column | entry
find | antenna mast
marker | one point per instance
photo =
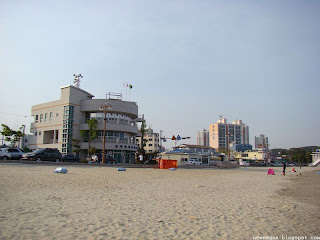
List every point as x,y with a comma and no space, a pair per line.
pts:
77,80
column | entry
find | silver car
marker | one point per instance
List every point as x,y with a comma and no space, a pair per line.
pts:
4,155
15,153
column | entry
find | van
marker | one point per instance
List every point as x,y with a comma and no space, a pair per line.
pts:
194,161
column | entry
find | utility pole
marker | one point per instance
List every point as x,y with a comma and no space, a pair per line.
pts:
104,107
24,129
160,141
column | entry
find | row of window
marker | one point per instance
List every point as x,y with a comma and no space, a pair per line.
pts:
151,139
156,145
44,117
36,133
67,129
114,116
125,146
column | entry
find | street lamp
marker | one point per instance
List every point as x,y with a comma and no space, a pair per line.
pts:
104,107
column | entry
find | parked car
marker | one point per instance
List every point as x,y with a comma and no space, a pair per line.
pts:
4,155
194,162
244,163
69,158
15,153
98,158
44,154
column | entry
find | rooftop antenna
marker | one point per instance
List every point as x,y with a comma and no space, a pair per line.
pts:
77,80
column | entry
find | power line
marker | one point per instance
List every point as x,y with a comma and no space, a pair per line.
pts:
15,114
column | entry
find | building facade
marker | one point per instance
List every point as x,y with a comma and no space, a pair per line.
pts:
204,151
255,155
315,158
57,123
181,155
240,147
203,138
197,148
221,134
152,143
261,142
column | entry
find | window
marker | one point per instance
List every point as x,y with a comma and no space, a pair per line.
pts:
36,134
50,116
150,145
46,117
13,150
37,118
39,133
41,117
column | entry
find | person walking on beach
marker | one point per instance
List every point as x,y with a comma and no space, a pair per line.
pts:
284,168
141,158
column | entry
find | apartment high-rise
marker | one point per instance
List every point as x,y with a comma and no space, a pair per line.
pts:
261,142
203,138
221,134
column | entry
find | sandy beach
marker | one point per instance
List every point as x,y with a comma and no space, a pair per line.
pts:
102,203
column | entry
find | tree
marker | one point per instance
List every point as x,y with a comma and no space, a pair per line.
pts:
12,136
152,155
143,140
76,146
91,134
299,155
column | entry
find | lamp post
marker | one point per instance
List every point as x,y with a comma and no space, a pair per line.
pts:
104,107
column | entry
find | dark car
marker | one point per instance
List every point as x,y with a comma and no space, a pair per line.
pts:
69,158
98,158
15,153
43,154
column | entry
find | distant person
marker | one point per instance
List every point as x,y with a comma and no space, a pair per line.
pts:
284,168
95,158
141,158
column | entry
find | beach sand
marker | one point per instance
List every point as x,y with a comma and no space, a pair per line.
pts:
103,203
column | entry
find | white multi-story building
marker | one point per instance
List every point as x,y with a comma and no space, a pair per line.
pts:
315,158
261,142
153,141
221,134
56,123
203,138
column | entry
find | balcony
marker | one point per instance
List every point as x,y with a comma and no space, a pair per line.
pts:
112,127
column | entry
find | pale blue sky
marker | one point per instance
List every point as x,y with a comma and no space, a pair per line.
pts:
188,61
